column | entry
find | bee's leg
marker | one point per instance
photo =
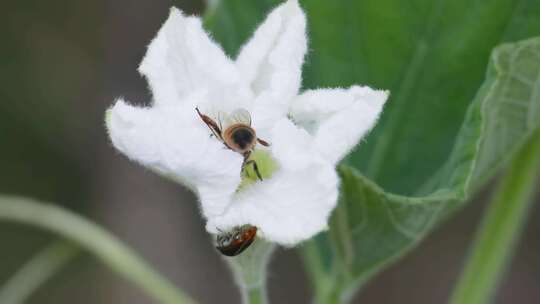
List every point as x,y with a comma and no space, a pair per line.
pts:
255,168
247,162
263,142
246,155
216,130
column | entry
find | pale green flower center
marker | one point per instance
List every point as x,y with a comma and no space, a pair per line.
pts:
266,164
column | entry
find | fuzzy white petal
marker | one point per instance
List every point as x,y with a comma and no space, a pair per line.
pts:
292,147
182,59
272,61
338,118
174,142
289,208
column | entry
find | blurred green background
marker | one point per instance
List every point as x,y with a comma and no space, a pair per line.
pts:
62,63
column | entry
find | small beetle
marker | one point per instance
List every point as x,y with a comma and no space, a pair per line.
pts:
236,241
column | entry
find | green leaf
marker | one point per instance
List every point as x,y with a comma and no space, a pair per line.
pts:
501,228
446,129
372,227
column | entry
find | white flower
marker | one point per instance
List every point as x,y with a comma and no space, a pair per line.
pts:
309,132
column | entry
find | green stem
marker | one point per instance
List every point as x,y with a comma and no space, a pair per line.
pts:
249,270
95,239
501,228
37,271
256,295
323,281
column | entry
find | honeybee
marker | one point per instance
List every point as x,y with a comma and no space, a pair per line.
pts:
236,133
234,242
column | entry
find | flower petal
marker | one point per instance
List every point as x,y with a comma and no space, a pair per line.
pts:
272,61
289,208
183,59
175,142
338,118
292,146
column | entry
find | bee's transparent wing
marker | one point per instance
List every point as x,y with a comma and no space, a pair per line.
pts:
238,116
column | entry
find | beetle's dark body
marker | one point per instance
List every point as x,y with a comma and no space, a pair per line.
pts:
235,242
